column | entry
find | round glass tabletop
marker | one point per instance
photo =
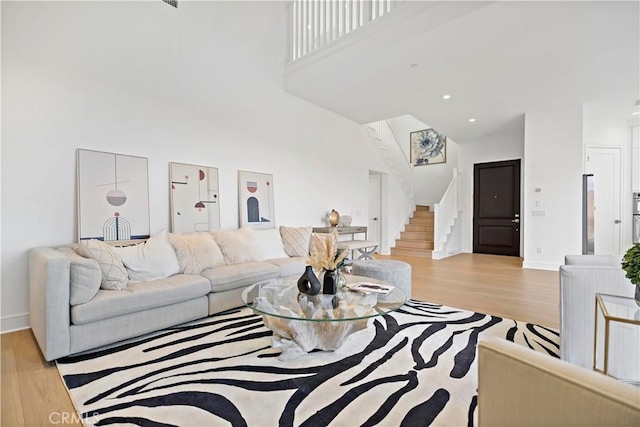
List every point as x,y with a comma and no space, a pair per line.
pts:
280,298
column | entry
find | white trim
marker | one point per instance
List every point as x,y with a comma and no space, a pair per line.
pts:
445,254
15,322
541,265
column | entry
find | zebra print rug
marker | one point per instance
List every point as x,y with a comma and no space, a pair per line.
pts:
416,366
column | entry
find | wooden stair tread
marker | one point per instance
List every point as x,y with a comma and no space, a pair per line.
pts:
417,239
418,253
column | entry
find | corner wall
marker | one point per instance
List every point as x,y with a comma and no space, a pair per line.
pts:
553,146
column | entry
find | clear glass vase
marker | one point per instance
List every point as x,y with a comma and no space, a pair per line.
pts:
341,280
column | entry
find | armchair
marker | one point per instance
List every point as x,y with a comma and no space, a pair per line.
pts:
521,387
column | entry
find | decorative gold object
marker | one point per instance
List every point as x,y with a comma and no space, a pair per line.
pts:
334,217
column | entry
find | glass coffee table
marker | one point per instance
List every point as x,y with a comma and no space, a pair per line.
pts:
301,323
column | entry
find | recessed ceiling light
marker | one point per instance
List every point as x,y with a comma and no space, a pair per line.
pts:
636,113
446,96
471,120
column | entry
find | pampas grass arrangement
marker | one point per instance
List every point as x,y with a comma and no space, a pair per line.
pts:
323,253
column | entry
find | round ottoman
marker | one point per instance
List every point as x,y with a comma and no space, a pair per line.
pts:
397,273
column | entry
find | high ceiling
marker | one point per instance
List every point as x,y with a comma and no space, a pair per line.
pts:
497,60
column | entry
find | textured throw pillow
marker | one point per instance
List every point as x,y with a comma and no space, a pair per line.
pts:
114,275
238,246
196,252
296,240
85,277
152,260
269,244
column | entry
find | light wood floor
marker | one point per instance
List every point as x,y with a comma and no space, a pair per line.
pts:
32,393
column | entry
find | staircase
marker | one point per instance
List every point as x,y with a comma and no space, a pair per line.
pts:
417,238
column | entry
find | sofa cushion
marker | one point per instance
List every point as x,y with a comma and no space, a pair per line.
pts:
237,275
269,244
196,252
151,260
114,274
296,240
139,296
289,266
238,246
85,277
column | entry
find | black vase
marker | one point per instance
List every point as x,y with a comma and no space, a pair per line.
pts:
308,283
330,282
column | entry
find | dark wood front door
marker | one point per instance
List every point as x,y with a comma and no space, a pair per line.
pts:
496,208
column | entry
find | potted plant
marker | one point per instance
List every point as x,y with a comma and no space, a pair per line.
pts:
631,266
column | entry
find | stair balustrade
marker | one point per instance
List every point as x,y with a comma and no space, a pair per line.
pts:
445,214
315,23
393,154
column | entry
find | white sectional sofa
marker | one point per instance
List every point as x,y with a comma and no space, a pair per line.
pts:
110,294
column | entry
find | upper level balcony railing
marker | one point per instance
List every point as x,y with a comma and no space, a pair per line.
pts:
315,23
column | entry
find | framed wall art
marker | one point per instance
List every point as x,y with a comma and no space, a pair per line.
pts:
428,147
255,197
195,201
113,196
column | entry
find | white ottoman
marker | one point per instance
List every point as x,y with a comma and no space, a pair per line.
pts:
397,273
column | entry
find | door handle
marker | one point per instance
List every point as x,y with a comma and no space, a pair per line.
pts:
617,221
517,220
375,219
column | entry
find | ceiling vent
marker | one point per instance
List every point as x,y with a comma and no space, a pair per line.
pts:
173,3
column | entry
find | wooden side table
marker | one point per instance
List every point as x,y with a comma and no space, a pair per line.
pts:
353,230
615,308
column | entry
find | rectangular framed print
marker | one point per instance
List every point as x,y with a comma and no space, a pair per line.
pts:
428,147
255,198
195,201
113,196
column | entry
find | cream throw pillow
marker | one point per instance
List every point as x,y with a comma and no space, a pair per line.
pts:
196,252
269,244
296,240
114,275
152,260
85,277
238,246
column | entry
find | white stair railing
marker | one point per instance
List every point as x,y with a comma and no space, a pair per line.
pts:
445,214
315,23
396,159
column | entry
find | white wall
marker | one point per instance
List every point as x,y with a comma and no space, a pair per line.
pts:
553,164
430,181
201,84
505,144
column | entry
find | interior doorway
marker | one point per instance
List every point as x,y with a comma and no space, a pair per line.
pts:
374,229
496,208
604,163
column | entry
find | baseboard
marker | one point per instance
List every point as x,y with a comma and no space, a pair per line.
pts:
14,323
541,265
445,254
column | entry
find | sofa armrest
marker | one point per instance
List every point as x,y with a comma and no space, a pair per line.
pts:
49,301
578,287
520,387
591,260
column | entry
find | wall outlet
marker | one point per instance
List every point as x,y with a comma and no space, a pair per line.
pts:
538,212
539,251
